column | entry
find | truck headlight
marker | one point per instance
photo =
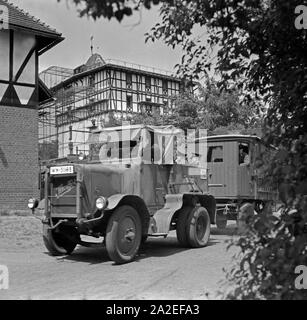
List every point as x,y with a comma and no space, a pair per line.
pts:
32,203
101,203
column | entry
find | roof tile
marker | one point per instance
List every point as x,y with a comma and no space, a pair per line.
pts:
20,18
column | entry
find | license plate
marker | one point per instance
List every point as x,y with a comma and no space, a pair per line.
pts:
62,170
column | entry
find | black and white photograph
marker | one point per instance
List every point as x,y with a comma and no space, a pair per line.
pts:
153,153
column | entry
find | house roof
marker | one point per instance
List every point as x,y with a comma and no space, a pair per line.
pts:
44,94
112,66
21,20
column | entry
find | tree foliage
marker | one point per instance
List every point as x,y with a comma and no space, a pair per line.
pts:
211,108
253,46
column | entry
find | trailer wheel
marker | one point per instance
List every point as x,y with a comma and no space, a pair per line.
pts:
181,227
198,227
57,243
124,234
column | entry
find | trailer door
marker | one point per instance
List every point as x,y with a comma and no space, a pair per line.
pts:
216,166
245,183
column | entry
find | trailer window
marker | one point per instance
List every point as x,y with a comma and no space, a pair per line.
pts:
215,154
244,157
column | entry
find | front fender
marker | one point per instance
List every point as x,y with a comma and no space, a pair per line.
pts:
114,200
136,202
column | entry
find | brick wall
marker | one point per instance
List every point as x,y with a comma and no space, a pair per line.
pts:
18,156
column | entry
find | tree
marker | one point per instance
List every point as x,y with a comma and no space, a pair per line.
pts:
259,51
211,108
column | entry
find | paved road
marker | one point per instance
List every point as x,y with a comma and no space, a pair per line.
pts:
162,270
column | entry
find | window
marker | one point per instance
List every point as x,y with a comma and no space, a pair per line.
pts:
165,107
244,154
129,103
215,154
129,80
164,87
91,80
147,83
147,109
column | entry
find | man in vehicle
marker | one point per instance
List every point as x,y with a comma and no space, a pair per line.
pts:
243,155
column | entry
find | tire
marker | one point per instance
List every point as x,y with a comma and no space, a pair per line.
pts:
56,242
198,227
181,229
221,221
123,235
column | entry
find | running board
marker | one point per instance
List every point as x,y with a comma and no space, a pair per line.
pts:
158,235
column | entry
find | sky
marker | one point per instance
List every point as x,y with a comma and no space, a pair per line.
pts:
113,40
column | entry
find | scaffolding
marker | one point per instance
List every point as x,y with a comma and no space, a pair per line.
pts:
55,75
88,101
61,121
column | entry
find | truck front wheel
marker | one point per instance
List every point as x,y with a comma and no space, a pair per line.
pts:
124,234
59,243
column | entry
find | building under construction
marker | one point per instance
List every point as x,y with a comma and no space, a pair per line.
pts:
98,94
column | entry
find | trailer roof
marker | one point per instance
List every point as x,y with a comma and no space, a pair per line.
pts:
230,137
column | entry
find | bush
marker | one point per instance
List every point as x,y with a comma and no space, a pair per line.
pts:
271,248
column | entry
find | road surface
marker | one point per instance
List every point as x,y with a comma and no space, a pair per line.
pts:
162,270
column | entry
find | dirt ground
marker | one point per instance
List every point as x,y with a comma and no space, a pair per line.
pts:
162,270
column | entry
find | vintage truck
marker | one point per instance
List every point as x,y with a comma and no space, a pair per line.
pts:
129,187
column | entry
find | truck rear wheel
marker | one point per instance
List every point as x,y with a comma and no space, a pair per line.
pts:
124,234
181,227
57,243
198,227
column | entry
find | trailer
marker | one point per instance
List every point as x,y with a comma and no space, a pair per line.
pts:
234,178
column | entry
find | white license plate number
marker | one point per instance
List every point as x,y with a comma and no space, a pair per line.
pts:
62,170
